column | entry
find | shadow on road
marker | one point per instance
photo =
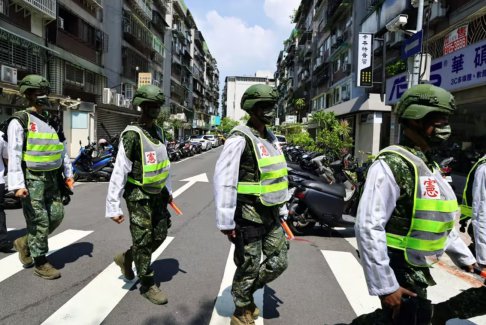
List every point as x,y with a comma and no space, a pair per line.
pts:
165,269
271,303
71,254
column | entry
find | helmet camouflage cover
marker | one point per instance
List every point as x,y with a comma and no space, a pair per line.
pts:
33,81
258,93
148,93
423,99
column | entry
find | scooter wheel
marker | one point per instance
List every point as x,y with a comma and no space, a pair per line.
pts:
300,228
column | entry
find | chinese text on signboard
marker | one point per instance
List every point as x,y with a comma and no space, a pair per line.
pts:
365,59
455,40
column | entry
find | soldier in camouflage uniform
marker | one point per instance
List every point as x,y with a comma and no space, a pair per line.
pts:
141,173
37,156
406,213
250,185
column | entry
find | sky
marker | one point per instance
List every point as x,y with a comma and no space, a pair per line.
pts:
244,36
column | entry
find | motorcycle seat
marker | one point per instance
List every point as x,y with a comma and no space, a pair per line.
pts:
333,189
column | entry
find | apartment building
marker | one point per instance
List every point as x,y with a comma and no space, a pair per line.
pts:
234,87
95,54
318,65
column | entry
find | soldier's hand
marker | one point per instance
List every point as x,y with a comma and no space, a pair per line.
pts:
394,299
170,198
469,268
230,233
118,219
22,193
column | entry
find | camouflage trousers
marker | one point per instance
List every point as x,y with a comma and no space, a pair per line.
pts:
148,226
43,210
250,275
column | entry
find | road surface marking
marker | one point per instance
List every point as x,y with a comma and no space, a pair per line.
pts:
96,300
11,264
350,276
224,306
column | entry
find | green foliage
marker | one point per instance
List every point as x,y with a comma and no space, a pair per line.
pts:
245,118
301,139
333,135
227,124
393,69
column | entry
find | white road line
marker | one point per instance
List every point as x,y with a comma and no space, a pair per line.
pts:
350,276
224,306
11,264
198,155
96,300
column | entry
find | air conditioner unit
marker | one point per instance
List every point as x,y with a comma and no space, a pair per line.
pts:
9,74
126,103
107,96
437,11
119,100
60,22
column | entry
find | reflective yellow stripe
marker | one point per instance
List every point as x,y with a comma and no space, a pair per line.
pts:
466,211
258,189
402,242
154,167
133,181
436,205
44,147
431,225
264,162
40,159
156,178
274,174
39,135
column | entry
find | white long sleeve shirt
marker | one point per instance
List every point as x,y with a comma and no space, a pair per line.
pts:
479,213
15,134
376,206
123,166
225,182
3,155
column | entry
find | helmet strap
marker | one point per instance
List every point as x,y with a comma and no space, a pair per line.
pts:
416,136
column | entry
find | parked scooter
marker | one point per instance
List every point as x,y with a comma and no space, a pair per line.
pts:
91,166
317,202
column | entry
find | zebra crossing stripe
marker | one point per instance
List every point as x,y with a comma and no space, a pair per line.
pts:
11,264
224,306
350,276
96,300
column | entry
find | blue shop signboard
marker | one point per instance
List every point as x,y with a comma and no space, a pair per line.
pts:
465,68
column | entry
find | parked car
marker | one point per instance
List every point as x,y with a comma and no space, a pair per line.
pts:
206,144
281,140
213,138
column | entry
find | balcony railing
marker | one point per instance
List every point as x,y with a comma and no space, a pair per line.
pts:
143,8
46,8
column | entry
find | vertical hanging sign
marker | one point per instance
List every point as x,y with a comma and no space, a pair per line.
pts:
365,60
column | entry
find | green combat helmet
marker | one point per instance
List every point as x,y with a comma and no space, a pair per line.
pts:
258,93
423,99
34,81
148,93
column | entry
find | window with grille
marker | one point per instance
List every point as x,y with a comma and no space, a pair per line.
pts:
21,54
74,75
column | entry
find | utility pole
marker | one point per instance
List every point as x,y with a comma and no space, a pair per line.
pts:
415,61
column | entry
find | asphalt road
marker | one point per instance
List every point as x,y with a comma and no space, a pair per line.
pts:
322,285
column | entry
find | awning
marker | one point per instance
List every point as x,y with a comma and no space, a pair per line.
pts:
364,103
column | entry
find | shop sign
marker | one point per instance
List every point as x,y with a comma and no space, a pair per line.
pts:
455,40
291,118
465,68
144,78
365,59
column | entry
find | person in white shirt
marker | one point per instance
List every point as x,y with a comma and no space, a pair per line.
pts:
37,161
250,189
141,174
406,214
5,244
